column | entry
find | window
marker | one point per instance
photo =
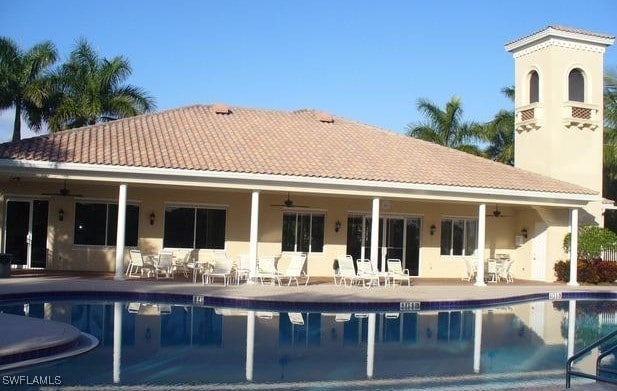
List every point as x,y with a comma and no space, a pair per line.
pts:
97,223
303,232
191,227
459,236
534,87
576,86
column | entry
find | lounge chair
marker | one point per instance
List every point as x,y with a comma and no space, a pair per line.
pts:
397,273
180,263
366,274
137,264
505,271
296,318
164,265
221,269
242,269
470,271
266,270
347,272
294,270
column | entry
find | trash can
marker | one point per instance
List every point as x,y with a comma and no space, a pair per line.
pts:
5,265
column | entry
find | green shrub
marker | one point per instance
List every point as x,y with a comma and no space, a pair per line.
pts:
591,241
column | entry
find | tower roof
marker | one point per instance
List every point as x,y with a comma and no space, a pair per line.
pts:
560,32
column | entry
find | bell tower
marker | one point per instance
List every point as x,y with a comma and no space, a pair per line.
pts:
558,73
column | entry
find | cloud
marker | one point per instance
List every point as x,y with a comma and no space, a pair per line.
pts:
7,118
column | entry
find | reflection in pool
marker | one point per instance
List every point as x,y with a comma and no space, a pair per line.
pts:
143,343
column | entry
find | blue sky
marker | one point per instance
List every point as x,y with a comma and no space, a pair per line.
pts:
368,61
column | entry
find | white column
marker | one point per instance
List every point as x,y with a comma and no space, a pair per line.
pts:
250,344
370,348
117,355
477,341
481,245
571,327
375,233
254,234
573,246
120,233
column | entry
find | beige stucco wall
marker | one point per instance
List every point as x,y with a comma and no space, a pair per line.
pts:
572,154
500,232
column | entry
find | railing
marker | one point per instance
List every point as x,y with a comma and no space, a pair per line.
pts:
598,376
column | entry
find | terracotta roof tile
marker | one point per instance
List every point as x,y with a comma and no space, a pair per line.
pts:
275,142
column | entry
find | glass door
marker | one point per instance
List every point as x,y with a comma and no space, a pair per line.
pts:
26,232
399,237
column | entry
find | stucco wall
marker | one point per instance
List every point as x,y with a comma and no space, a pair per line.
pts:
500,237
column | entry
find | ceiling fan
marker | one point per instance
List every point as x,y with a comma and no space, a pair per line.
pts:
288,203
64,192
497,213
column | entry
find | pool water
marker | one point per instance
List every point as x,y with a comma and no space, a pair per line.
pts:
219,348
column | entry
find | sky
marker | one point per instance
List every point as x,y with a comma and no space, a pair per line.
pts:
369,61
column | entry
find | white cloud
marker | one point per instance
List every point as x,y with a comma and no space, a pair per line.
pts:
7,118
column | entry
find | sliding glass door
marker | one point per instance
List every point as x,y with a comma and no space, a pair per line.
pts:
26,232
399,237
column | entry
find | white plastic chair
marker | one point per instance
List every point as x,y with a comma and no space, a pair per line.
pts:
396,271
294,270
242,269
506,272
266,270
366,274
347,272
470,271
164,264
221,269
137,264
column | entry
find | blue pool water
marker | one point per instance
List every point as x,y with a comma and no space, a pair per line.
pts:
221,348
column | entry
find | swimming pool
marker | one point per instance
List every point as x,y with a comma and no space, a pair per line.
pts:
173,344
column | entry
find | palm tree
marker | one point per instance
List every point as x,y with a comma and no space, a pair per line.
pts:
23,83
499,133
446,127
90,89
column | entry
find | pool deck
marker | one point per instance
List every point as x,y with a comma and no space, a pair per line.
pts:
320,290
47,285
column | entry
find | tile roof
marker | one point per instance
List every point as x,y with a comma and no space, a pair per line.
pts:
564,29
298,143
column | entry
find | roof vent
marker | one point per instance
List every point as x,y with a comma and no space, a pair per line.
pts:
324,117
221,108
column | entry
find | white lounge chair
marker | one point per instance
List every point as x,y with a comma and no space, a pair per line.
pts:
137,264
242,269
296,318
505,271
470,271
397,273
266,270
180,263
347,272
221,269
294,270
164,264
366,274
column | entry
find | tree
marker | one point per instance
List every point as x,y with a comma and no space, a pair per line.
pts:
89,89
499,133
446,127
23,83
610,144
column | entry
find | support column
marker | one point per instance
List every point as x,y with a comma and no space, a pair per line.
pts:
573,246
120,232
375,233
481,245
254,234
117,353
250,344
571,327
477,341
370,348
